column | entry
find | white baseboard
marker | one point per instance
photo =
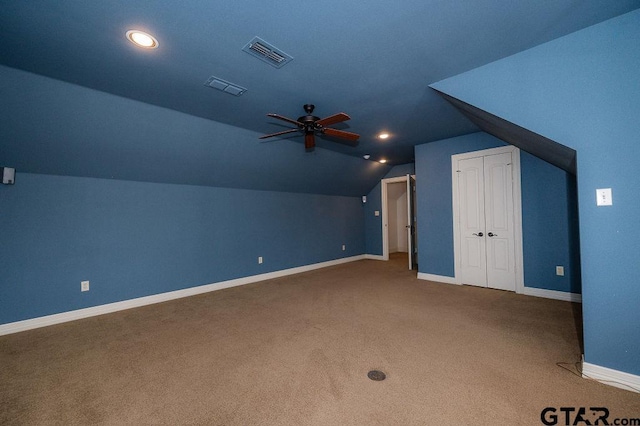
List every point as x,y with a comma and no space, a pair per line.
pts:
15,327
529,291
611,377
374,257
553,294
437,278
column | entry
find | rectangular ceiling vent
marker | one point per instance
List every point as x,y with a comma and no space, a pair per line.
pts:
225,86
267,53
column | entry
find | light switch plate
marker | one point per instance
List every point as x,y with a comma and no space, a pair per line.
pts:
603,197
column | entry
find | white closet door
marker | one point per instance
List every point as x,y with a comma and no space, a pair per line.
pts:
485,222
473,261
500,235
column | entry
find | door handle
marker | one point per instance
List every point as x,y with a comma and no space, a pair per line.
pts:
479,234
491,234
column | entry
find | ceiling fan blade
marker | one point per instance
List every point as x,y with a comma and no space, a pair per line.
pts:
333,119
288,120
309,140
279,133
340,134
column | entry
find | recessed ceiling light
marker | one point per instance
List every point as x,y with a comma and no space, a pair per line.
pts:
382,161
383,135
142,39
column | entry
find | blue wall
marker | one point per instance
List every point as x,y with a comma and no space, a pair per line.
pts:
549,226
373,223
548,210
583,91
133,239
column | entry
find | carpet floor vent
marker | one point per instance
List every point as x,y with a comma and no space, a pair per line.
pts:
267,53
376,375
225,86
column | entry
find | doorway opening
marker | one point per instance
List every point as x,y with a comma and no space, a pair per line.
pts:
399,219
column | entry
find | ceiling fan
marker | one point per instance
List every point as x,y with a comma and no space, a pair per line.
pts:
311,125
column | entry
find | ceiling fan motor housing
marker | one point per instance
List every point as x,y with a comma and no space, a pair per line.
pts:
310,125
309,120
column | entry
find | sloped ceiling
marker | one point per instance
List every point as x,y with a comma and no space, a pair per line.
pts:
551,151
374,62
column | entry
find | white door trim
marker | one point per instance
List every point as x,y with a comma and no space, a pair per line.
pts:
517,208
385,212
410,220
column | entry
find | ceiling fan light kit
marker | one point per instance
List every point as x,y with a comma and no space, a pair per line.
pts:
312,125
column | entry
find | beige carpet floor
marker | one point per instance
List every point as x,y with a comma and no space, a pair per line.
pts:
296,351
